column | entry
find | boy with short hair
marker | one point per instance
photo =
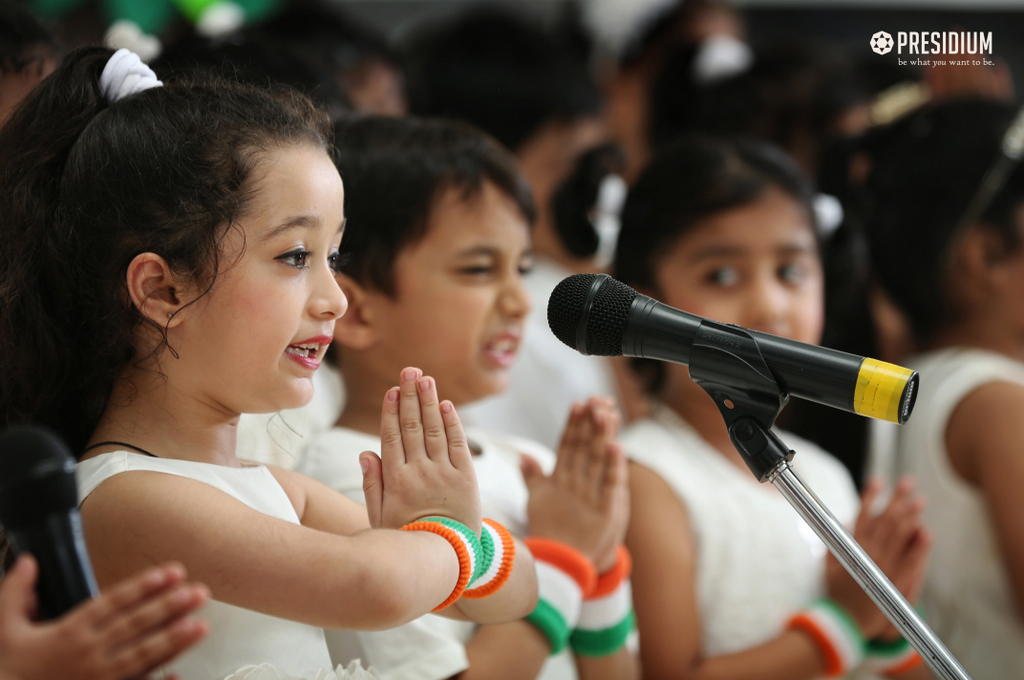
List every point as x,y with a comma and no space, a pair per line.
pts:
437,240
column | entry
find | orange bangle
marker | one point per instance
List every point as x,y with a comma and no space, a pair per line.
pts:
508,555
567,559
613,578
465,563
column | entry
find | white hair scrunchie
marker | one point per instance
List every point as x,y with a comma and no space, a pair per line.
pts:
125,74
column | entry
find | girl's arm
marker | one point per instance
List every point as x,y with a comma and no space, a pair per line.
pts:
374,579
983,440
664,586
665,599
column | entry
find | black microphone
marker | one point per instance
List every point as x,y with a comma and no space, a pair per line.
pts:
39,511
595,314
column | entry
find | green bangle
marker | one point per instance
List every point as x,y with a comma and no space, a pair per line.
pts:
550,623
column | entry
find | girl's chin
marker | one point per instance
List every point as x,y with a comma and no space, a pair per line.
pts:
297,394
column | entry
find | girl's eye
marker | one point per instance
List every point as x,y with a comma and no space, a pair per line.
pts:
792,273
724,276
480,270
338,261
296,258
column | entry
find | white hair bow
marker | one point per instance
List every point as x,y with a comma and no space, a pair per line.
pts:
126,74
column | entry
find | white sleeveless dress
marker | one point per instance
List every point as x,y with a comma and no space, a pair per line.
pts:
238,637
757,561
967,599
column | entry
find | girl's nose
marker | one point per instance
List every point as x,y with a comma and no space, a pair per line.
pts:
329,300
768,308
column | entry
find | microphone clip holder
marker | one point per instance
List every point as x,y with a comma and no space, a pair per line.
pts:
726,362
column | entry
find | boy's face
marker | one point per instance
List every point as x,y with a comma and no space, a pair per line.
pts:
459,306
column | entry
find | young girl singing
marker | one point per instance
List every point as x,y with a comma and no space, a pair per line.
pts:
729,581
169,264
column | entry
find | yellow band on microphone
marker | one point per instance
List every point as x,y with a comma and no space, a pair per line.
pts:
880,388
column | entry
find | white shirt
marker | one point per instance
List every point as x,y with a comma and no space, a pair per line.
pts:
757,561
967,600
431,647
238,637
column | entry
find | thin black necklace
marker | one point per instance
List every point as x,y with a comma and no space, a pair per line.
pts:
130,446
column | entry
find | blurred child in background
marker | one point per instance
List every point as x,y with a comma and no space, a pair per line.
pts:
436,247
28,53
496,70
950,256
731,583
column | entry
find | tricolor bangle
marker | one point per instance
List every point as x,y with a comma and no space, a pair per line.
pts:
892,658
606,617
564,577
837,636
467,548
499,554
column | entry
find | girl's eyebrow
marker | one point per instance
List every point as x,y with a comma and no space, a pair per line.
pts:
718,251
737,251
479,250
293,222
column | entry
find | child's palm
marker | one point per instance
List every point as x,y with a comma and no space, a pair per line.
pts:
897,543
426,468
584,503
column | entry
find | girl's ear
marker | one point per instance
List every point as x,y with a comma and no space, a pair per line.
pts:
154,289
981,252
356,329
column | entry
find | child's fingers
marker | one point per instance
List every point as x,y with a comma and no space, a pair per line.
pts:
531,469
157,649
409,415
130,592
595,461
906,529
17,589
392,451
616,469
569,446
887,523
868,498
373,487
154,613
458,445
435,441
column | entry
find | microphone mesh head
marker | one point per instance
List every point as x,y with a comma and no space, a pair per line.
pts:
565,306
608,316
608,313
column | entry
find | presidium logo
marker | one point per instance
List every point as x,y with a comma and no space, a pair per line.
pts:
881,43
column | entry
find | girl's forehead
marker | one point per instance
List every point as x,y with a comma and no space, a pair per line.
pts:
772,221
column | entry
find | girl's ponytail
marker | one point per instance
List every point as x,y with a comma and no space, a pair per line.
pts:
35,144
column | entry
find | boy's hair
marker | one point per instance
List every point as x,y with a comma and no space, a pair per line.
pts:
85,186
23,40
926,169
689,181
395,170
493,69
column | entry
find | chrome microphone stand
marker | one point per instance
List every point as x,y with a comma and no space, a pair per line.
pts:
726,362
